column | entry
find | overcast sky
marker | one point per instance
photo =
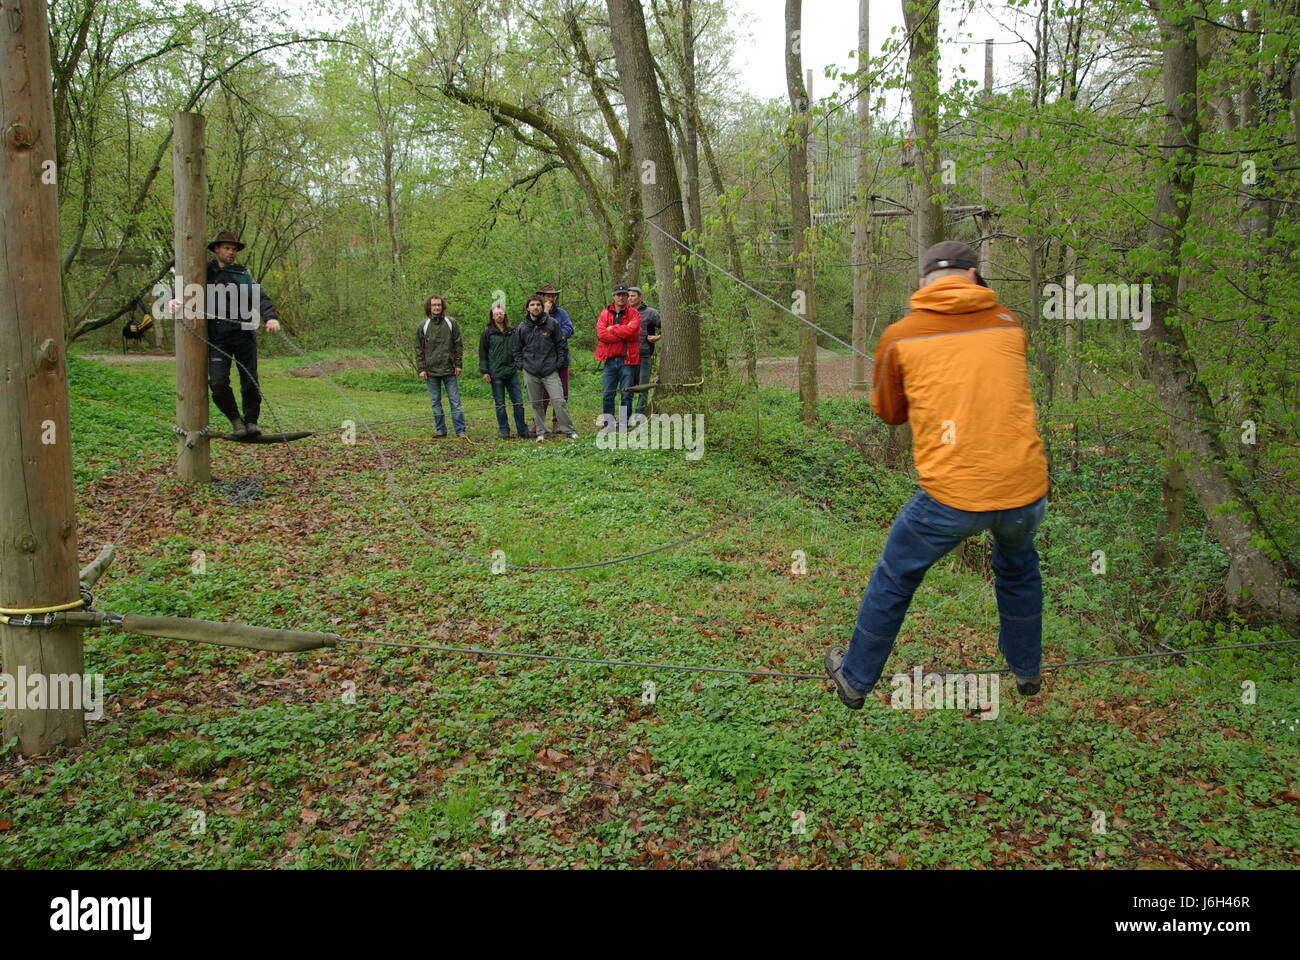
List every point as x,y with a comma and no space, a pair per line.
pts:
830,33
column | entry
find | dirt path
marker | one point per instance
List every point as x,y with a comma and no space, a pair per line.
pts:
834,373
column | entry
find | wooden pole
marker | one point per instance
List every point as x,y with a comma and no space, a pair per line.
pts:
38,521
190,216
862,222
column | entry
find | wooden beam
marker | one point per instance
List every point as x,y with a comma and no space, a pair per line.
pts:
265,437
38,520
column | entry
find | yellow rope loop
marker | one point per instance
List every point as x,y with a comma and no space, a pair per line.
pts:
59,608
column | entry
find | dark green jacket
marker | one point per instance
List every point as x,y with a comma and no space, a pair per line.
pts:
438,347
496,353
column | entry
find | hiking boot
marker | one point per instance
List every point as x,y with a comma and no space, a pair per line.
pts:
252,429
238,429
833,660
1029,687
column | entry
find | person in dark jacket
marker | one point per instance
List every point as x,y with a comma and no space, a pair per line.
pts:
496,364
540,352
550,295
439,353
651,327
231,293
618,347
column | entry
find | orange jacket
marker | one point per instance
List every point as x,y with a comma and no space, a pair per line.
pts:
955,369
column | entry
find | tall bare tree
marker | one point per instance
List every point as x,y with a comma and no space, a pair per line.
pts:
805,298
661,193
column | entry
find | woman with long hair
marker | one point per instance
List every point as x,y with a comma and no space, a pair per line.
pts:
496,364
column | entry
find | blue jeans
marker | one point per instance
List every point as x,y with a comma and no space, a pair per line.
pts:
499,390
435,385
647,369
617,376
924,531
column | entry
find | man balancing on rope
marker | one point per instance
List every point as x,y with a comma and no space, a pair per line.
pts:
955,369
233,297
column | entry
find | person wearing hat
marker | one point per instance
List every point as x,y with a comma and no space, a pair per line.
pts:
550,295
231,323
651,325
618,346
955,369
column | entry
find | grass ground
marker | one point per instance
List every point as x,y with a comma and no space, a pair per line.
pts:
385,757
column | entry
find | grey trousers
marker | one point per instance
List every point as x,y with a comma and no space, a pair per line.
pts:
555,391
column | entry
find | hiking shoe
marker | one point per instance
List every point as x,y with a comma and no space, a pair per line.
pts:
238,429
1029,687
833,660
252,429
574,435
540,437
440,436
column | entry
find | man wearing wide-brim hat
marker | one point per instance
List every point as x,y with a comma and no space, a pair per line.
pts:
233,299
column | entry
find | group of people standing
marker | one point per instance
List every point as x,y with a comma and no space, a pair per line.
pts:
996,480
538,348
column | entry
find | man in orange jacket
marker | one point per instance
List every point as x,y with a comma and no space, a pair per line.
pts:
955,369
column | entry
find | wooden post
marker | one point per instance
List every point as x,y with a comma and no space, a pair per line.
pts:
38,522
190,223
862,222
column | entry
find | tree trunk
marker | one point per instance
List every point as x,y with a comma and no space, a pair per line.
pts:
923,72
1173,499
661,193
922,24
38,518
1256,560
733,255
805,294
862,222
691,141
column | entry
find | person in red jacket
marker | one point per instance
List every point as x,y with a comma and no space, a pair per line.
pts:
618,347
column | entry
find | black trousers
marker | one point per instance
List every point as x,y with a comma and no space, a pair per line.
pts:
225,350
